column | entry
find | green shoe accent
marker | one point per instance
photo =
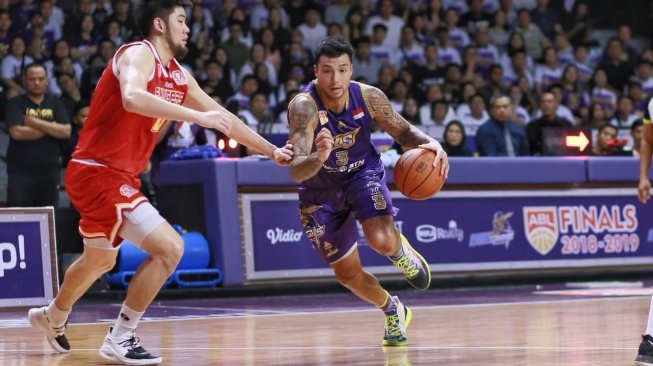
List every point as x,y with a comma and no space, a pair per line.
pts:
415,268
396,325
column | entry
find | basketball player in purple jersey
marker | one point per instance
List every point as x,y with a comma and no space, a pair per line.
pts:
342,179
645,351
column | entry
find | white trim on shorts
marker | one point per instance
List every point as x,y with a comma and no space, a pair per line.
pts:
351,250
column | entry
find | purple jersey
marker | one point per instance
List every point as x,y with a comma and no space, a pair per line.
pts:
353,151
350,185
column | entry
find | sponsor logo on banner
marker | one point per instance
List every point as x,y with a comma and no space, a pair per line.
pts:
541,227
581,229
15,255
501,235
278,235
430,233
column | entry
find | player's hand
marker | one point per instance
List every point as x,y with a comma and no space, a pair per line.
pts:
644,190
440,155
283,155
218,120
323,144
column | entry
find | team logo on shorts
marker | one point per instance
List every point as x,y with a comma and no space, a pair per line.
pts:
541,227
127,190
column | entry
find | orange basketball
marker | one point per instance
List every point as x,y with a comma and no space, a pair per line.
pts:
415,176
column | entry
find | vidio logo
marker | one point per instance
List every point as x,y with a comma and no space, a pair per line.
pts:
13,257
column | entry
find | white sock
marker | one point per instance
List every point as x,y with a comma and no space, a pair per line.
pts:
649,326
126,322
56,316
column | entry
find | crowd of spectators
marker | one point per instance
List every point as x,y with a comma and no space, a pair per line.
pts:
438,61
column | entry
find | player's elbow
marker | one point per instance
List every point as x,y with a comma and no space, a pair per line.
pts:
298,178
296,173
130,102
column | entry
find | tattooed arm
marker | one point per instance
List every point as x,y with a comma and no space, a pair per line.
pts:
401,130
302,117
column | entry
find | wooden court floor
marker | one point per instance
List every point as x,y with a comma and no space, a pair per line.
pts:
567,331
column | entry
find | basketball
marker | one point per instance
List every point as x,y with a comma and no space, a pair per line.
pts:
415,176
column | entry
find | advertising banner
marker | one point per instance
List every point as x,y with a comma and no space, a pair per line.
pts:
469,230
28,271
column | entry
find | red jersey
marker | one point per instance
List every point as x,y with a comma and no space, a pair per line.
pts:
123,140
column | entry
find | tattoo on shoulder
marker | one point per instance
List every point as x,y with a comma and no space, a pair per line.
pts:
300,114
382,110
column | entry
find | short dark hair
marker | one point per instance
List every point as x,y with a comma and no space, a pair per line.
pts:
148,10
333,47
636,123
33,65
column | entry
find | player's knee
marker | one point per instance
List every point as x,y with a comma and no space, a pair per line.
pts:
348,278
101,264
171,254
383,241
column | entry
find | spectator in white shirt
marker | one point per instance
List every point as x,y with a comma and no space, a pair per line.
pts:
312,28
12,66
477,114
379,49
625,116
386,17
365,65
410,51
549,73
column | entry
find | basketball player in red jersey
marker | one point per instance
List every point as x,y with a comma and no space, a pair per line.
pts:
142,88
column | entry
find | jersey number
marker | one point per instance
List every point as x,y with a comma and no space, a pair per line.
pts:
157,125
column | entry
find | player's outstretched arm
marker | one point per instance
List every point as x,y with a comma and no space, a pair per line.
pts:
644,186
197,99
134,67
400,129
302,117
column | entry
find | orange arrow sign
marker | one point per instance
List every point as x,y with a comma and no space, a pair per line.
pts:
579,141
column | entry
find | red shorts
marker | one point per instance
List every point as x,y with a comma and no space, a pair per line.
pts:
101,195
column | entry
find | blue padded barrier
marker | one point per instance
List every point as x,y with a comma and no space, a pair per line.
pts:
192,270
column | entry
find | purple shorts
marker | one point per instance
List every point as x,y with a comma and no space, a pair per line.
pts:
329,216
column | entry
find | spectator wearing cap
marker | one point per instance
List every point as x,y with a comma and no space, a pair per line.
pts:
393,23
